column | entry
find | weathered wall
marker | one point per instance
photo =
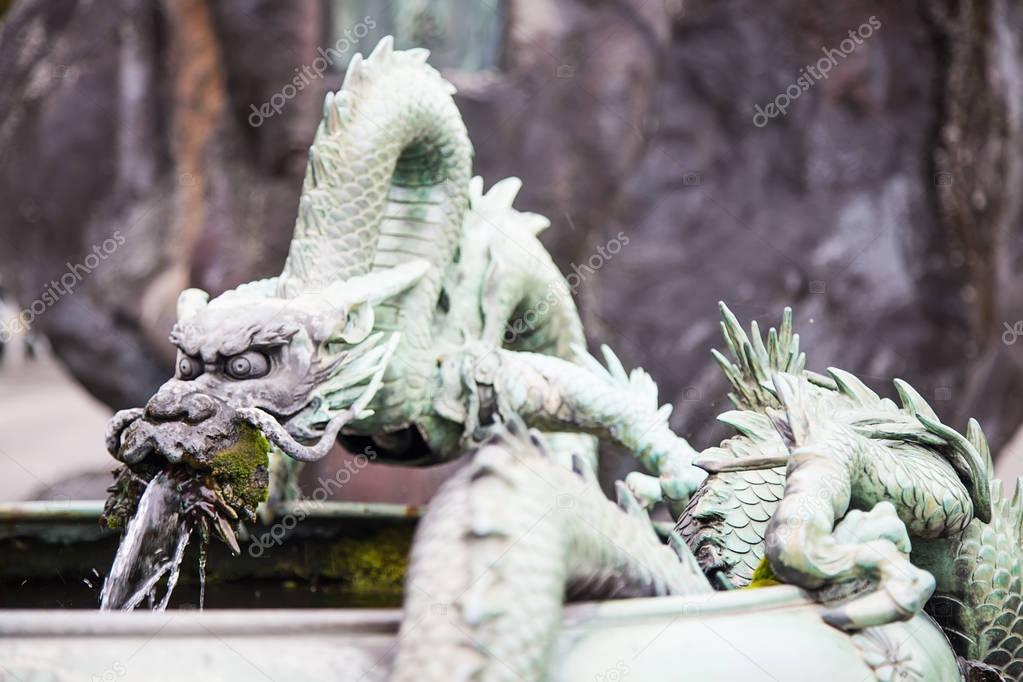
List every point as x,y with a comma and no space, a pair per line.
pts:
883,207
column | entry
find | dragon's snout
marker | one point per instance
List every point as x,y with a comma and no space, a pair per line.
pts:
176,424
169,406
216,461
187,427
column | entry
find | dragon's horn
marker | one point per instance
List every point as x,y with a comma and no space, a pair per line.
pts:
380,285
191,301
350,303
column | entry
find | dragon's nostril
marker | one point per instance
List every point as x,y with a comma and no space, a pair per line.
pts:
162,411
164,408
199,407
192,408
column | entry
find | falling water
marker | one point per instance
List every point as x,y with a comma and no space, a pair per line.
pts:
202,575
152,548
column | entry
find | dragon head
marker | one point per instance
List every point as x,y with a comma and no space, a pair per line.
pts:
299,356
297,369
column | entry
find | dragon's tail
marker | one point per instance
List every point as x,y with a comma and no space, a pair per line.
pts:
504,543
755,362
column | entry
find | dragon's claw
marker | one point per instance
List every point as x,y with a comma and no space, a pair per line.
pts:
880,523
903,590
674,489
678,487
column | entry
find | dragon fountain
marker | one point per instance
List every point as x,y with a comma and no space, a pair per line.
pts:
420,316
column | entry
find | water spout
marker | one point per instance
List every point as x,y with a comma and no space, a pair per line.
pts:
152,547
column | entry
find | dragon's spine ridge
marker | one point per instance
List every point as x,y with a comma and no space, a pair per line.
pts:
755,362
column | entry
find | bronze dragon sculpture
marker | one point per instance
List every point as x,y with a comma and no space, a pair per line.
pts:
389,328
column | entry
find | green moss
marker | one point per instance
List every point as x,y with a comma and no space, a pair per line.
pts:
763,576
377,563
241,472
124,495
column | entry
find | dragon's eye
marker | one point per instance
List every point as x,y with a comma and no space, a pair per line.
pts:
250,365
188,367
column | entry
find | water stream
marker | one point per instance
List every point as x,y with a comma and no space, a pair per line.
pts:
151,550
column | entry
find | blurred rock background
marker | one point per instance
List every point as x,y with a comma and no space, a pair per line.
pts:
882,205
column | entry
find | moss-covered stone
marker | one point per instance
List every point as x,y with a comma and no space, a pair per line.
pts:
377,563
241,472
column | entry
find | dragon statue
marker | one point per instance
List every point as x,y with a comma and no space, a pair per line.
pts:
420,316
390,324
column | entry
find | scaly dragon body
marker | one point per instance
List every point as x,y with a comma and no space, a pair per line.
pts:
505,542
416,314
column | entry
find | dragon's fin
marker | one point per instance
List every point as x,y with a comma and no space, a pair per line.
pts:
637,383
684,553
852,388
913,402
582,468
495,207
968,463
630,504
794,421
754,362
753,425
979,441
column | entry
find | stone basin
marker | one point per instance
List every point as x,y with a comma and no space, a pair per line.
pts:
738,635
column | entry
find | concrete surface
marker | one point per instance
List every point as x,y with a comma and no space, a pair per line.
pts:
50,429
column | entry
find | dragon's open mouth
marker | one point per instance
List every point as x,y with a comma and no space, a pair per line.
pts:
219,462
162,501
218,485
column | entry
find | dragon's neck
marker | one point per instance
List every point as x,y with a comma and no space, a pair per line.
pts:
387,182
